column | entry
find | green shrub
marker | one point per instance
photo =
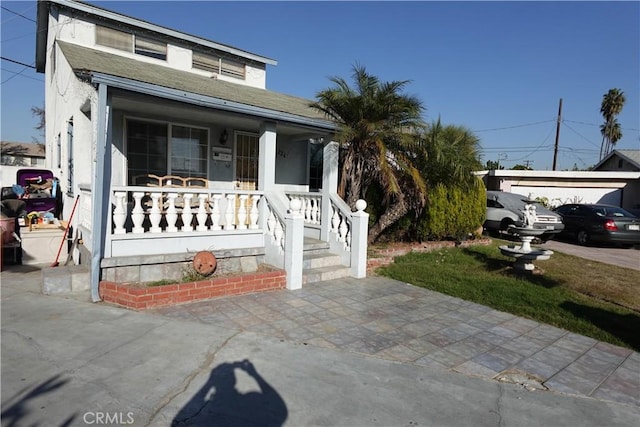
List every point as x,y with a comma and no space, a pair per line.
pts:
452,212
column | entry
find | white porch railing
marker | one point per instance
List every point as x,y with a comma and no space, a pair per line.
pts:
161,210
84,213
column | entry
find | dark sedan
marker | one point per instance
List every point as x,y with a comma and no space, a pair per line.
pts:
600,223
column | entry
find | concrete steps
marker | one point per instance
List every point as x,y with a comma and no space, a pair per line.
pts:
65,279
319,264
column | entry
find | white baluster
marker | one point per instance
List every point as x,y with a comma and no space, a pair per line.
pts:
137,214
308,209
187,216
343,230
215,212
335,221
271,223
154,213
242,212
254,214
347,241
279,235
172,213
119,213
315,210
202,213
230,212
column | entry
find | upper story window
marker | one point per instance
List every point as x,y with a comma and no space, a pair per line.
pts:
129,42
217,64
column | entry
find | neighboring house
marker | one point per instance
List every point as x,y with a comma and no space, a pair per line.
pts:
19,155
22,154
560,187
174,145
620,161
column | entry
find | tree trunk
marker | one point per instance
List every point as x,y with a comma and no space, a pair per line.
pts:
390,216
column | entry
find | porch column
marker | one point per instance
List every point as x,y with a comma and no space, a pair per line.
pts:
101,212
267,156
359,231
294,244
329,185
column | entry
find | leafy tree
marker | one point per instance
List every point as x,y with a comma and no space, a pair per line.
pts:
377,123
39,113
520,167
493,165
612,103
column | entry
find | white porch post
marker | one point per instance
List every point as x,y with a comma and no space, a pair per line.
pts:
101,207
294,244
359,232
267,156
329,185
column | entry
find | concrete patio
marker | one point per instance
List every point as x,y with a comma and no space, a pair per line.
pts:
399,322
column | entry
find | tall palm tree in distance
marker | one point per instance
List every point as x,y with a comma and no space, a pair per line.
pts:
612,103
377,127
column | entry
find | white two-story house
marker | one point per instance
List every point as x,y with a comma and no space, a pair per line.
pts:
171,144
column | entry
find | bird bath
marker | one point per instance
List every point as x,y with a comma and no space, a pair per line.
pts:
525,254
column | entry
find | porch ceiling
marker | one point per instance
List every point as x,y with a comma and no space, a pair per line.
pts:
132,103
87,60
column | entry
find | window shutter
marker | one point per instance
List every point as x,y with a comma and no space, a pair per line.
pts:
232,68
207,62
114,38
151,48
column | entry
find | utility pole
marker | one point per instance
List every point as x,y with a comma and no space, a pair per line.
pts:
555,149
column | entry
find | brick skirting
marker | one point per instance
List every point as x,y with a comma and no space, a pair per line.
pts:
140,297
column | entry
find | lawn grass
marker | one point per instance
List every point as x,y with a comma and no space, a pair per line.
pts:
585,297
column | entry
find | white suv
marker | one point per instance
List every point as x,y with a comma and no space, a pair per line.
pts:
505,209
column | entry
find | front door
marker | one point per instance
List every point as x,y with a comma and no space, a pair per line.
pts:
246,168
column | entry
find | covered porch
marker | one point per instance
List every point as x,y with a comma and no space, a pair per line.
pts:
183,173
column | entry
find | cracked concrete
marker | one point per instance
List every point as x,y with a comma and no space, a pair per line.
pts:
96,359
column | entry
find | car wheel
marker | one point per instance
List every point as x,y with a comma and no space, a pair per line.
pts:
505,223
583,237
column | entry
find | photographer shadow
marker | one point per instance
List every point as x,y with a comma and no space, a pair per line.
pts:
219,403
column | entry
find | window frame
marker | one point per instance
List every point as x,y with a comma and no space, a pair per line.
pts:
169,127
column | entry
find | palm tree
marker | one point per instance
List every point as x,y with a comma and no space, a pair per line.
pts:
449,155
377,126
612,103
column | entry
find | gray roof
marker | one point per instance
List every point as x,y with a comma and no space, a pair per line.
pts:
87,60
631,156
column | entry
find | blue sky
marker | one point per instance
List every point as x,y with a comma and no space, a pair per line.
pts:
498,68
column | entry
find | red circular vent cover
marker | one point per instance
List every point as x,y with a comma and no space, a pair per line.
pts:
205,263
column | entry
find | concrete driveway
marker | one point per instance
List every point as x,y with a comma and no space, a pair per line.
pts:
627,258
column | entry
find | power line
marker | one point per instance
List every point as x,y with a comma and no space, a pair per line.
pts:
593,124
515,126
17,62
580,135
27,77
16,13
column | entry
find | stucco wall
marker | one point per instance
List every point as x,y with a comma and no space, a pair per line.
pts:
616,188
64,97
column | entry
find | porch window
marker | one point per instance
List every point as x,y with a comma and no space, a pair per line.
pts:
189,147
161,149
146,149
217,64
